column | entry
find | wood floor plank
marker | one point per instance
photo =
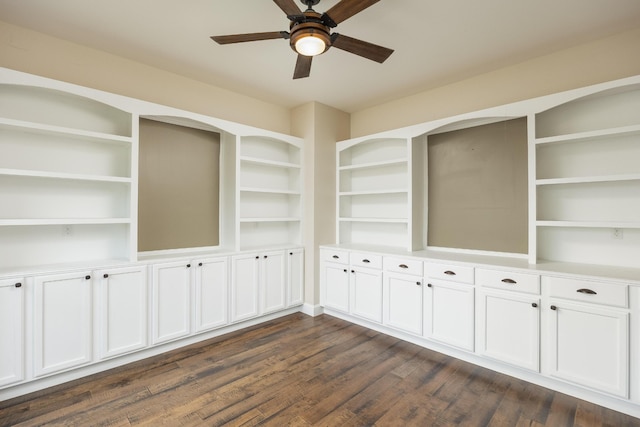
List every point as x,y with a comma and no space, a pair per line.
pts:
303,371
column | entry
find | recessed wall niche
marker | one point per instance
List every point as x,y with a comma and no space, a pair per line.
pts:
179,187
477,188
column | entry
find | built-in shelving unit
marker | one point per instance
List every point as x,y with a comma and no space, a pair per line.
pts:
587,179
269,192
374,192
65,178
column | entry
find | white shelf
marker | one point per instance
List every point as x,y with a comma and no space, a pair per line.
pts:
39,128
264,162
589,224
68,176
401,161
268,191
590,135
588,179
373,192
64,221
283,219
380,220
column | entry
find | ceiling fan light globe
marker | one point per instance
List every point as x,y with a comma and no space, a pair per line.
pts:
310,45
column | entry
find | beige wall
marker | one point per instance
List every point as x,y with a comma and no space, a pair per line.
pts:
320,126
607,59
36,53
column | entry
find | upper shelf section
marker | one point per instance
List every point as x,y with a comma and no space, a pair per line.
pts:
50,107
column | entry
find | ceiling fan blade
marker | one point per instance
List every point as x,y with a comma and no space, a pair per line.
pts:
303,67
361,48
289,7
346,9
250,37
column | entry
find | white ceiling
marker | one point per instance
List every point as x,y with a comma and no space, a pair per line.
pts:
435,42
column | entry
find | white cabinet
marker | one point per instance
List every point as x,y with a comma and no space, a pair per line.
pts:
588,338
269,184
449,305
11,331
171,301
62,322
366,293
211,293
121,310
508,317
335,286
65,177
403,302
295,277
273,278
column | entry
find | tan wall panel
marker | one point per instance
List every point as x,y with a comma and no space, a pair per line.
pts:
179,186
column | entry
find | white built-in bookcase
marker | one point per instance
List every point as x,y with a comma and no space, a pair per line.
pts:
584,178
587,179
69,177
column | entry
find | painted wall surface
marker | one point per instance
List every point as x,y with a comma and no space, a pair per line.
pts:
320,126
606,59
36,53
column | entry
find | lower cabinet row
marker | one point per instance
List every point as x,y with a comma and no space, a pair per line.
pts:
76,318
580,327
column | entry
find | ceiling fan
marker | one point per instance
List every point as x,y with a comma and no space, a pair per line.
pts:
310,33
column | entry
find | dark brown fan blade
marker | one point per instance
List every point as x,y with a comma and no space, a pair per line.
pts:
289,7
365,49
347,8
250,37
303,67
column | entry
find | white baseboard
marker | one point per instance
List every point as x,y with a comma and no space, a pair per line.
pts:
312,310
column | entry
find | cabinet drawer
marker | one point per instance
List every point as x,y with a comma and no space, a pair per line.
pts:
358,259
401,265
587,291
337,256
520,282
455,273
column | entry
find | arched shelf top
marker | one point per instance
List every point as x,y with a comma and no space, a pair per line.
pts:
46,106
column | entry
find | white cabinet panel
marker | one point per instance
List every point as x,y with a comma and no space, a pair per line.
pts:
62,322
509,328
449,313
335,280
590,346
273,281
403,302
366,293
295,277
211,293
171,311
11,331
121,309
244,287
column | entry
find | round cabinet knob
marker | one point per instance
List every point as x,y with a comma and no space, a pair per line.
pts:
188,265
418,283
353,271
265,256
18,285
257,256
87,277
290,253
105,275
553,307
199,264
429,285
345,270
534,305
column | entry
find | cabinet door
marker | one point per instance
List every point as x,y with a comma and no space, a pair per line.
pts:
335,285
295,278
449,313
171,313
121,309
211,299
11,331
244,286
273,289
589,345
509,328
62,322
366,293
403,302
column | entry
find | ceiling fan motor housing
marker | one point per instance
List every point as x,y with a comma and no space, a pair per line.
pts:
311,25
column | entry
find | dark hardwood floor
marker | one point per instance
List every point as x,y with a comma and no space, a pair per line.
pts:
303,371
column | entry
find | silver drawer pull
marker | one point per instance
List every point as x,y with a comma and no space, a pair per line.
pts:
366,261
509,281
403,266
450,273
587,291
